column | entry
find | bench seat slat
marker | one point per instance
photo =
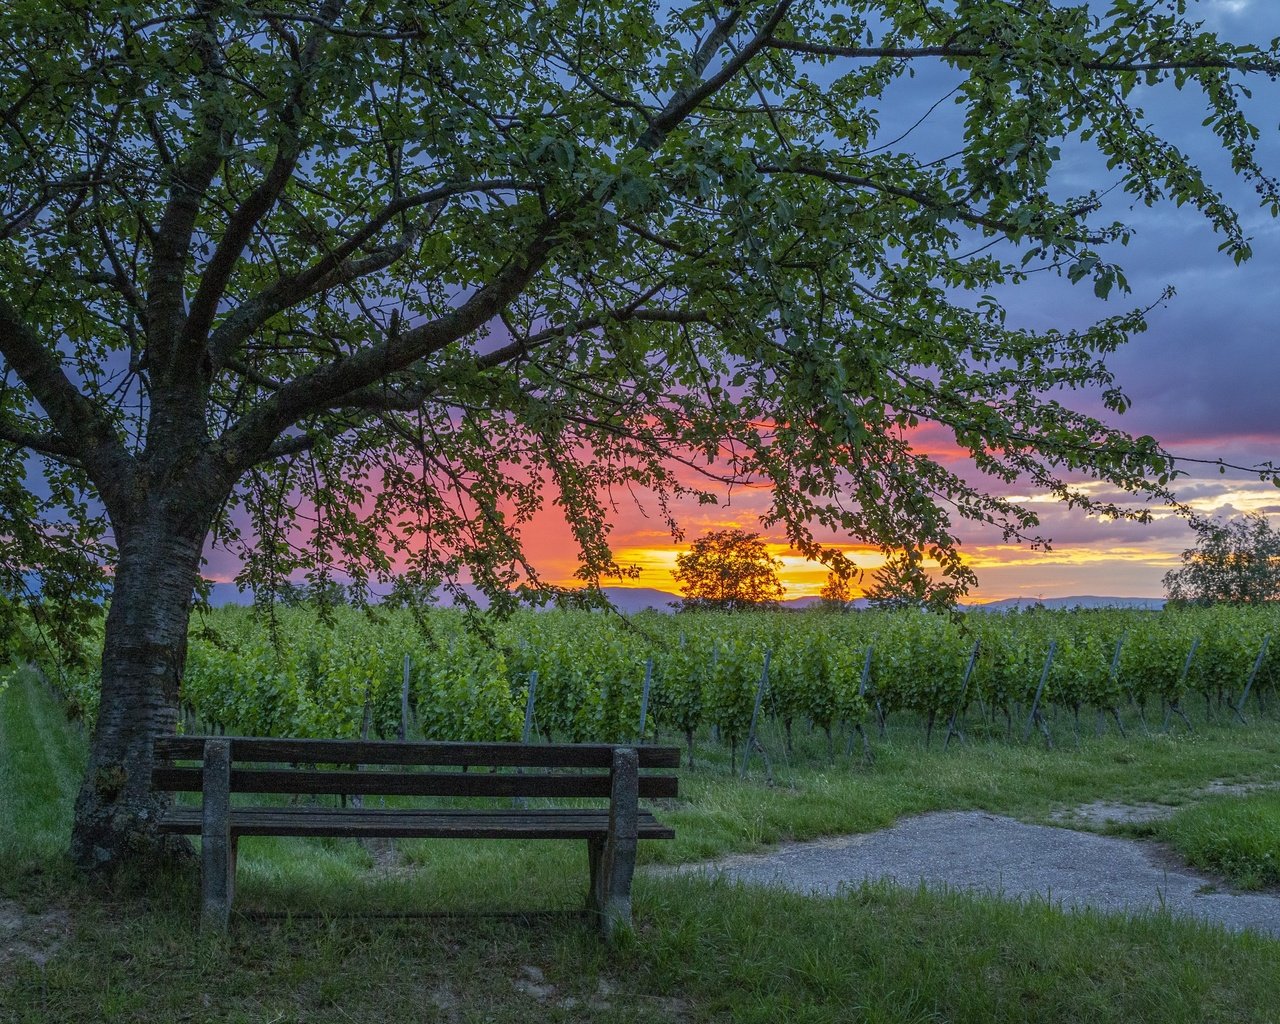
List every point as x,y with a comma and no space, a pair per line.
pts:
548,755
384,783
540,823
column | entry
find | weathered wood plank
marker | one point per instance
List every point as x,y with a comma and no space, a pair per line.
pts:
550,755
384,783
552,823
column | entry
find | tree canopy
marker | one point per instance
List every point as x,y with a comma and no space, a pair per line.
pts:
1233,562
359,288
729,570
902,582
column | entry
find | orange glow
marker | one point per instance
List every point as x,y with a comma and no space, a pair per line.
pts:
1004,571
800,577
1126,560
1130,567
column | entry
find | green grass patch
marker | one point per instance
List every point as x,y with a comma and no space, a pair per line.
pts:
42,757
1234,836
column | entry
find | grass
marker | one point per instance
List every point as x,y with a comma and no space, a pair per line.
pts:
704,951
42,758
1237,837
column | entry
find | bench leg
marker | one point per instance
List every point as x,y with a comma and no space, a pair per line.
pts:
231,876
615,862
595,853
217,847
612,885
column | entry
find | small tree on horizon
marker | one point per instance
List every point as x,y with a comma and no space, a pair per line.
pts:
902,582
837,591
728,570
1233,562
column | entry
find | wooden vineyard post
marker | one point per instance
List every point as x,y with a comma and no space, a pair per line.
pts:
404,701
1253,674
1115,678
1035,716
528,707
1174,707
527,731
644,695
366,723
867,754
964,687
715,660
755,715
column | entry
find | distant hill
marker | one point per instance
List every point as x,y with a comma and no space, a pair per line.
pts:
228,593
1009,604
630,600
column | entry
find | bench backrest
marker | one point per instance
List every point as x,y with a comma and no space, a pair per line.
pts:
353,771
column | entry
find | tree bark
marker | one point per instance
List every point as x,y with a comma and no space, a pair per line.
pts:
144,652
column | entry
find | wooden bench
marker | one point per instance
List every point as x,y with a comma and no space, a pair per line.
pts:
228,765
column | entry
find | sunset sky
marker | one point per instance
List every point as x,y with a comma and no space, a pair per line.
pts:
1203,380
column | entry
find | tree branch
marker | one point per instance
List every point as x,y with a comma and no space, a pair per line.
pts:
191,178
325,386
287,446
686,100
950,51
374,399
962,213
240,227
81,430
328,269
48,443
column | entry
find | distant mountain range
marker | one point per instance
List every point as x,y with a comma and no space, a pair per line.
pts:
630,600
1010,604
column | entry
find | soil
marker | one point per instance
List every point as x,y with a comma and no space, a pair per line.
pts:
30,937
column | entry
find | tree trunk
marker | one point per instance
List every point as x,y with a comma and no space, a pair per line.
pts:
144,651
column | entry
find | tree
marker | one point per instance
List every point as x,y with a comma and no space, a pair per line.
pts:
837,591
902,582
1236,562
729,570
355,289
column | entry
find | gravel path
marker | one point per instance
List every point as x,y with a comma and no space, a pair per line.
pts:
989,853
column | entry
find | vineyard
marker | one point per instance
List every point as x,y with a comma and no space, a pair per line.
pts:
597,677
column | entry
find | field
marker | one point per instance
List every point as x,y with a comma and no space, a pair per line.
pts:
312,940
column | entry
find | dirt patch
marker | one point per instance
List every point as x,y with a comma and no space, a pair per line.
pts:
1100,813
385,855
1220,788
31,938
532,982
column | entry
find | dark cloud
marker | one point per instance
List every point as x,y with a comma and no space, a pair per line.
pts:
1203,378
